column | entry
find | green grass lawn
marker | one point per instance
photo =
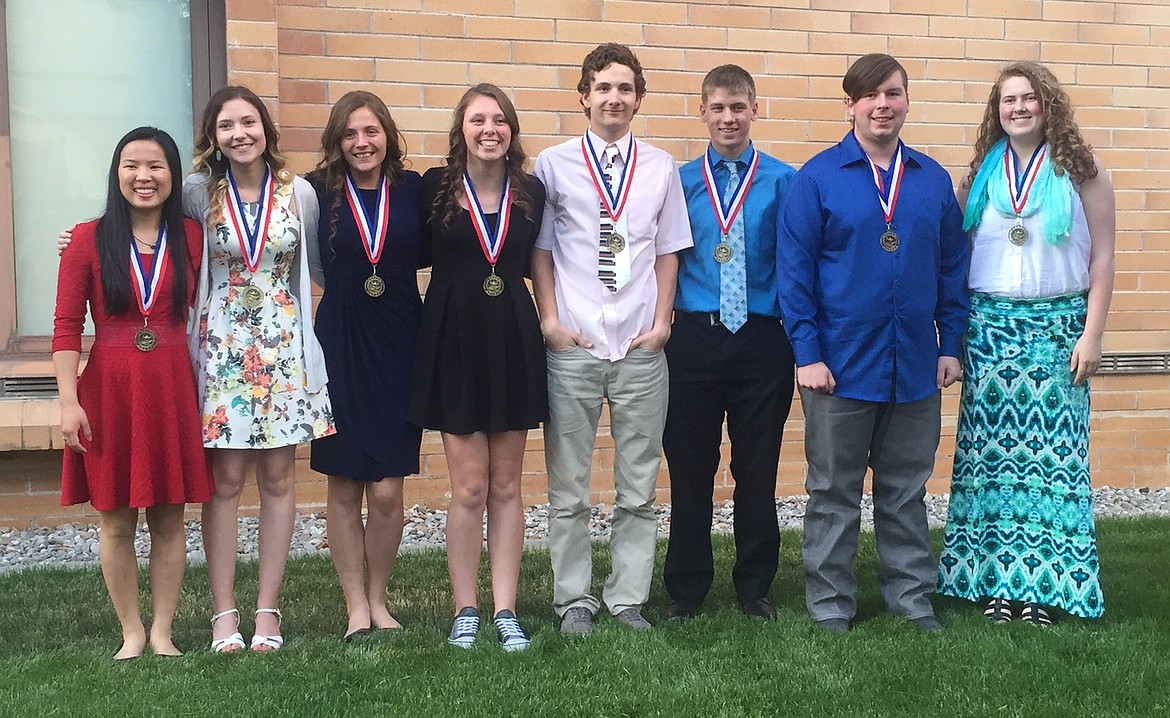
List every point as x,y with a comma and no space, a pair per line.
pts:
57,632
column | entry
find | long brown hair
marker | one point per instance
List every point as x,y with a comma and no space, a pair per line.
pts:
333,166
1067,148
214,165
455,164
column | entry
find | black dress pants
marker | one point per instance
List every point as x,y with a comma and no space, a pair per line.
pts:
747,376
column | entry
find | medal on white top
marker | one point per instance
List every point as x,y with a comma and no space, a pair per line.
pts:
252,235
1020,187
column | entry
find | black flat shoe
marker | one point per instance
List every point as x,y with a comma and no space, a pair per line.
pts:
680,611
999,610
758,608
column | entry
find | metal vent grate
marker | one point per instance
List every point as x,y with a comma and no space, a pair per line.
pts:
28,387
1149,363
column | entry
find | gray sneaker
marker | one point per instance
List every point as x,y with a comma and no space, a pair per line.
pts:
632,618
577,621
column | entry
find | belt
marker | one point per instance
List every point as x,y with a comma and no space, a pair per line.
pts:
711,319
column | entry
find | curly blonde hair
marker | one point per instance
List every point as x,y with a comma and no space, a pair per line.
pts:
215,167
1067,148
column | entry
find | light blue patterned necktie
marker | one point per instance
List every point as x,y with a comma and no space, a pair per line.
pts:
733,274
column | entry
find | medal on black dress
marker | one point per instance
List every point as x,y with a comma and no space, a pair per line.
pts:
725,216
146,286
492,243
1019,187
888,198
614,201
251,235
373,230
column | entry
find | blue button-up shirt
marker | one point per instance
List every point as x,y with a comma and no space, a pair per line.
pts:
879,320
698,272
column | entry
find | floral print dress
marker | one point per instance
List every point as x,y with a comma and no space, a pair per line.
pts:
256,396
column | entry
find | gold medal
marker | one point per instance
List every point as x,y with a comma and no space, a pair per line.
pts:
723,253
1018,234
616,243
251,296
493,286
145,339
374,286
890,241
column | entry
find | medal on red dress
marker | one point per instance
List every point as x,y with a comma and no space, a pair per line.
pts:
725,216
614,200
251,235
146,286
1019,187
373,230
491,243
888,197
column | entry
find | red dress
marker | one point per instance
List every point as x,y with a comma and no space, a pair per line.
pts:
147,445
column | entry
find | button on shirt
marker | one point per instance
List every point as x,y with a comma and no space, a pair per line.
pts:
879,320
698,272
656,217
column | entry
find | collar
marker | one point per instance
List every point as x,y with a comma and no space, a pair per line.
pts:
599,144
850,152
745,157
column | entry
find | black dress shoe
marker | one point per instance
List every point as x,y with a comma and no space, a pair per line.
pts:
679,611
758,608
833,625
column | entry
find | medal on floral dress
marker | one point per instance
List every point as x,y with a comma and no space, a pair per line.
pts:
146,286
888,197
251,235
1019,187
373,230
492,243
725,216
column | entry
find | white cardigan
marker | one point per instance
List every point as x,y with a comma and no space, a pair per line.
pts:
196,205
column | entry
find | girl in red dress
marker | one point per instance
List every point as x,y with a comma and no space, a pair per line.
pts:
131,423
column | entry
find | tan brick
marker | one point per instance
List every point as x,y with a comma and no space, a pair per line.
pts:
838,43
1115,34
511,28
681,36
1067,52
462,7
888,24
998,49
443,48
803,19
966,27
729,16
859,5
1079,11
324,19
300,42
577,10
1040,31
262,10
251,34
254,59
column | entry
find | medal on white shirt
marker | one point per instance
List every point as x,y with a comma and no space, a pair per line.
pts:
1019,188
373,230
146,287
888,197
492,243
251,235
613,199
725,216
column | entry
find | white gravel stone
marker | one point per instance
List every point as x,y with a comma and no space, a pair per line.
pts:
77,545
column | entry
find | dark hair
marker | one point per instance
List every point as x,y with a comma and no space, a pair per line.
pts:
333,165
1067,147
869,72
602,57
729,77
215,167
455,164
115,232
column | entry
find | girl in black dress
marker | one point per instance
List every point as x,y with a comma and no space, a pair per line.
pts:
480,374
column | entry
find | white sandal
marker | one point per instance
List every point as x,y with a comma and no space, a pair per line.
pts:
263,644
233,642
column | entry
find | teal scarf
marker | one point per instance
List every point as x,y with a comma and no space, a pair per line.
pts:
1052,192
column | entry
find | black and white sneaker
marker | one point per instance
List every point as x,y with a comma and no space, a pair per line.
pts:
999,610
1036,615
465,628
512,635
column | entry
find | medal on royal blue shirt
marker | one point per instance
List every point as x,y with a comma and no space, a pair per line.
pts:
373,230
492,243
725,215
146,286
888,197
251,235
1019,186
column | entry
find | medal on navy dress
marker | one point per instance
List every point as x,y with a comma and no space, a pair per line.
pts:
146,286
251,235
491,240
372,229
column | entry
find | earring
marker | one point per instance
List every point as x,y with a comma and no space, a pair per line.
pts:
218,156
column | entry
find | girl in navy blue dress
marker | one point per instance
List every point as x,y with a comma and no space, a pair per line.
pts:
367,323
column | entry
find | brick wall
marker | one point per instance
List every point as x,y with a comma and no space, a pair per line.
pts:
420,55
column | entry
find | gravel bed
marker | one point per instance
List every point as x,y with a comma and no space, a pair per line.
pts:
77,544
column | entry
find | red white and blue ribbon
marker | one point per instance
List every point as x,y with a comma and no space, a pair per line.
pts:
726,215
492,243
251,234
372,229
1019,186
146,284
888,196
613,200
